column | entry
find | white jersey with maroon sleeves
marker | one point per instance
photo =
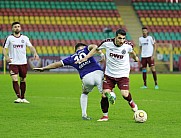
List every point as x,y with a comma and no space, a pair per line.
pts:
147,46
117,58
17,48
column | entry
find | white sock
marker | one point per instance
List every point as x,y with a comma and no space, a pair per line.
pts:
83,104
105,114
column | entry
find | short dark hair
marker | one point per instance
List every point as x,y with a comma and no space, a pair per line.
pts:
14,23
78,45
144,28
121,31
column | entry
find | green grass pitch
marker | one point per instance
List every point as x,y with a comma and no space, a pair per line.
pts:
54,111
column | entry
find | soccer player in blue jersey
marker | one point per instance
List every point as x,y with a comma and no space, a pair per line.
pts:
90,71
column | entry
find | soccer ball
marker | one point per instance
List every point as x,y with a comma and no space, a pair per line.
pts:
140,116
113,95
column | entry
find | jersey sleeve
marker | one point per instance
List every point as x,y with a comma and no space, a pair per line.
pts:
28,43
152,40
102,45
140,42
6,43
66,61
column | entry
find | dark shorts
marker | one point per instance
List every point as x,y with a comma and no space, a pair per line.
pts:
110,82
18,69
145,61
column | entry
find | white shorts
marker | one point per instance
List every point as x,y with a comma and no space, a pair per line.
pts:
91,80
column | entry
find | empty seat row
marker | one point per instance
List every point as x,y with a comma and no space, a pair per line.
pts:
67,35
63,28
156,6
164,28
54,12
58,5
159,13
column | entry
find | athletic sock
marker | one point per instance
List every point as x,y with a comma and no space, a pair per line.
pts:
23,89
154,77
83,103
128,98
16,88
104,105
144,78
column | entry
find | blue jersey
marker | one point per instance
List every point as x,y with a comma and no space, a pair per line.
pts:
85,67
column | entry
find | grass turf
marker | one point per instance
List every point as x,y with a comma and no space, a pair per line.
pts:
55,111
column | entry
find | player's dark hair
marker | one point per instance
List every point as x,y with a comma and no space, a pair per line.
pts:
144,28
14,23
121,31
78,45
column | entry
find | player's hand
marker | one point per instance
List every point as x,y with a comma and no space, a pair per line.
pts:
102,60
38,69
9,60
36,57
152,57
136,59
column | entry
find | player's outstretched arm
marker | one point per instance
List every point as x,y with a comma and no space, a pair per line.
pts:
50,66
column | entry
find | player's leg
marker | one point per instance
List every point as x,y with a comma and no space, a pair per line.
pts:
13,70
87,86
144,72
108,85
153,70
104,108
123,85
83,104
22,73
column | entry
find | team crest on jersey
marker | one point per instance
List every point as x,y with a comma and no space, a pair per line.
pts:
123,51
22,41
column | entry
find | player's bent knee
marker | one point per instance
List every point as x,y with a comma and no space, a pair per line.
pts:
14,77
125,93
105,91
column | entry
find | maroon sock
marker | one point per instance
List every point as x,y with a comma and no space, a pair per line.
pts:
144,78
154,77
23,89
130,101
16,89
128,98
104,105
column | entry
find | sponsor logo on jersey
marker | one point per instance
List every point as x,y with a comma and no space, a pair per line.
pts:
116,55
17,46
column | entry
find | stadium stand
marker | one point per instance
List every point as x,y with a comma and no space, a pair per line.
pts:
54,27
164,22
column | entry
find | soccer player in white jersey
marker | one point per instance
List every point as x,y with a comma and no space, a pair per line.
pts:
90,72
117,70
16,44
147,51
